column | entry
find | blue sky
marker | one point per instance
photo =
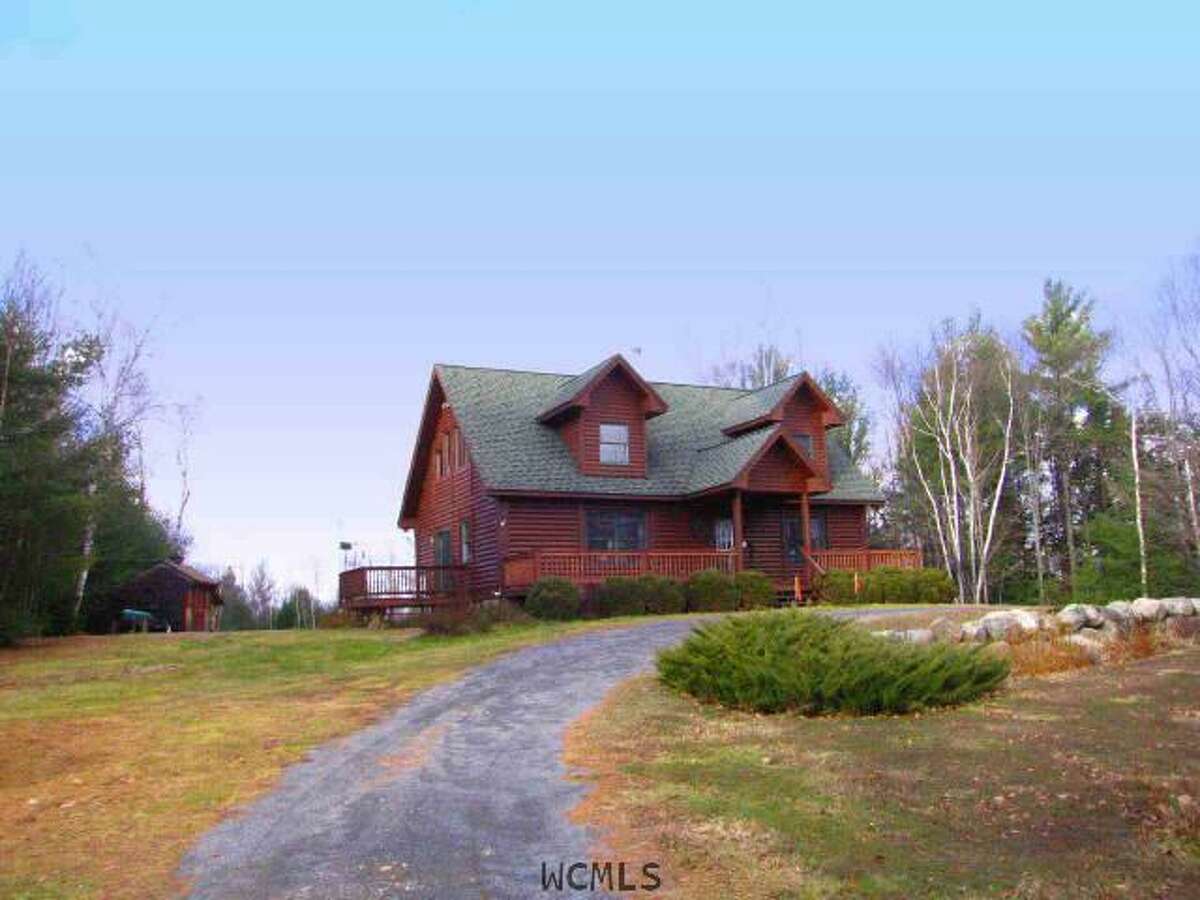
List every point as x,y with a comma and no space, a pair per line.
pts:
315,202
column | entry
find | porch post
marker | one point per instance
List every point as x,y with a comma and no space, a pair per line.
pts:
737,529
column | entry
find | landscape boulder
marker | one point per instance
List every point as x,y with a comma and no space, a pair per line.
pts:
1119,611
998,625
944,629
1179,606
972,631
910,635
1080,615
1146,610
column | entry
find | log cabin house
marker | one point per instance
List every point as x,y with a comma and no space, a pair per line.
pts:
517,476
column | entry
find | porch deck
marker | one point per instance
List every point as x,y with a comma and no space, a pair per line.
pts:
587,567
594,566
384,588
391,587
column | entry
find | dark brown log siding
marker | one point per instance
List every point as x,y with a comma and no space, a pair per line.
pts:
801,415
458,497
778,470
616,400
846,525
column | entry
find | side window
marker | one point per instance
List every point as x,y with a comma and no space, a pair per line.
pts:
464,542
614,444
805,441
441,549
439,463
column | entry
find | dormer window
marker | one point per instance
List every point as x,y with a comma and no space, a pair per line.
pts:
614,445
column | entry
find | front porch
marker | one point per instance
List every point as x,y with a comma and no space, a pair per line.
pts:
590,567
384,588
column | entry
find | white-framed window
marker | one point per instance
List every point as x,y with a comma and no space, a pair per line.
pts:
723,534
614,444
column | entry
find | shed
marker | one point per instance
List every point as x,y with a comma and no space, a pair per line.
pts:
183,597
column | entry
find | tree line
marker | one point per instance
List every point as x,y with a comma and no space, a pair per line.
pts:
75,522
1039,467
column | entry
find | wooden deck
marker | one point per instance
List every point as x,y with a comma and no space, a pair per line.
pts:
587,567
385,588
391,587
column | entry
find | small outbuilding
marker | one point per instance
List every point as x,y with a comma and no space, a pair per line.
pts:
175,594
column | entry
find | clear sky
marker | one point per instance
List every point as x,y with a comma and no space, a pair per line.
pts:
316,201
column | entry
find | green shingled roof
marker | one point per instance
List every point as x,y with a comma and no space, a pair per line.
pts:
498,409
750,405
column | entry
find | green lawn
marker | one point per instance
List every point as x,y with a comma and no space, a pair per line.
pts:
1069,786
119,751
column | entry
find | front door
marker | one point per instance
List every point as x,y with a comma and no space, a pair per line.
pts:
793,536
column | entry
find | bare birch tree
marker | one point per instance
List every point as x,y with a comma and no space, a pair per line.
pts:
955,408
118,400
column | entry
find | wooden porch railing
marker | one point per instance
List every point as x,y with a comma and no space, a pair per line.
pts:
369,587
593,566
866,559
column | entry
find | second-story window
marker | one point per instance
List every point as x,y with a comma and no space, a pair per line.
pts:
614,445
805,441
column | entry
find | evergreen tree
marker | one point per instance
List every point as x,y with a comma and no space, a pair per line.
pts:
1069,353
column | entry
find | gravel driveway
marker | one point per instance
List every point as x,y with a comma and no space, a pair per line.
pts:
460,793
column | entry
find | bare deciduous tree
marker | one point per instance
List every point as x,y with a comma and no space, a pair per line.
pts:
955,406
118,399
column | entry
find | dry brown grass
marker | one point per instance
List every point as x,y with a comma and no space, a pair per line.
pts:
1046,655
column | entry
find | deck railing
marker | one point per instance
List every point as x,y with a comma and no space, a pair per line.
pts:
392,586
867,559
593,566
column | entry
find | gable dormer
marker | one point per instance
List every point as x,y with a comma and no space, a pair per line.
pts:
601,417
803,410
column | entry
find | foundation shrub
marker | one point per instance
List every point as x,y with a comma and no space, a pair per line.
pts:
662,595
755,590
553,598
884,585
711,591
790,660
618,597
471,618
